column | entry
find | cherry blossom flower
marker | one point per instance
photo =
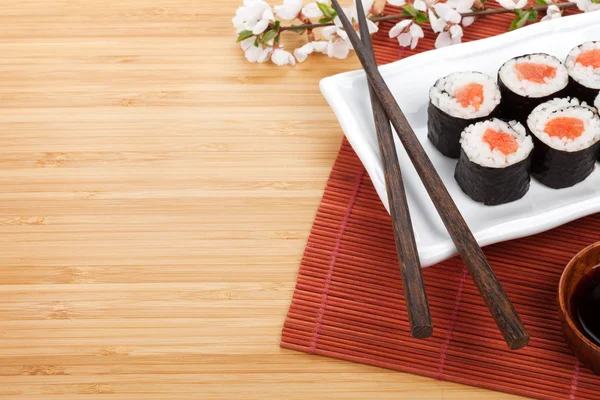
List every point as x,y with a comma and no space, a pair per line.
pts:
338,45
407,32
447,38
587,5
254,53
552,12
397,3
303,52
254,15
289,10
513,4
312,10
281,57
445,20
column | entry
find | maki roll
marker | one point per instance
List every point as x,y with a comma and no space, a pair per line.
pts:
494,162
566,134
527,81
456,101
583,64
597,103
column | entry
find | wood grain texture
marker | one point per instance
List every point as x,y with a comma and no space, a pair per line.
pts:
419,315
156,195
498,303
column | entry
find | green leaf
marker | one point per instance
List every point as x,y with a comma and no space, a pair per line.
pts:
325,20
483,1
277,25
540,2
595,1
533,16
269,35
256,42
299,31
243,35
327,10
520,20
421,18
411,10
406,13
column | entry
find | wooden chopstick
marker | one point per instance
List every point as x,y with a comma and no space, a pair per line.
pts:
495,298
417,305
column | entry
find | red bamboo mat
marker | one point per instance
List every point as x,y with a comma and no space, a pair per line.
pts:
348,302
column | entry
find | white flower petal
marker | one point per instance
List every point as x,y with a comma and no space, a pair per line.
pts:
399,27
367,5
414,43
312,10
320,47
441,9
437,24
338,49
405,39
289,10
281,57
373,28
260,26
268,15
328,32
466,21
253,52
452,16
416,31
420,5
264,54
443,40
302,53
462,6
245,44
397,3
456,32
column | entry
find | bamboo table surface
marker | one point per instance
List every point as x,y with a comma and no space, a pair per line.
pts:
156,194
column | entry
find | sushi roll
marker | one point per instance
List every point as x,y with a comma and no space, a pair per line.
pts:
494,162
455,102
566,134
583,64
529,80
597,103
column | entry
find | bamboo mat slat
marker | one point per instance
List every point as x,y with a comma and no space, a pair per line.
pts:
348,301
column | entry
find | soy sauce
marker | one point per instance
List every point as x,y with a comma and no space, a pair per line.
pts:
585,305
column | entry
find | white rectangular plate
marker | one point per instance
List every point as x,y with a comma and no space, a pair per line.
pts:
410,79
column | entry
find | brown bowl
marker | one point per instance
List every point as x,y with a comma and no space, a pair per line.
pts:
586,351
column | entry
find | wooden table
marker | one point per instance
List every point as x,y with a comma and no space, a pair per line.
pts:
156,194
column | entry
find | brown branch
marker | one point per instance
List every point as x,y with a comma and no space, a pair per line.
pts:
402,16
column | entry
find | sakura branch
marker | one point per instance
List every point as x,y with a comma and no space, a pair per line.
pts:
259,27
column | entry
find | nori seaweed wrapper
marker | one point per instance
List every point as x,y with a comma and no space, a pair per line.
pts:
561,169
492,186
513,106
444,130
582,92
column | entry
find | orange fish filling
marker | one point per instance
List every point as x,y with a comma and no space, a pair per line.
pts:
565,127
589,58
470,95
533,72
501,141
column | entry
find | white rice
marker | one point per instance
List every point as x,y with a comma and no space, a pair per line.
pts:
566,107
481,152
442,92
586,76
597,102
509,76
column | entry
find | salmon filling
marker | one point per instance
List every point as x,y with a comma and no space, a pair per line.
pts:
534,72
589,58
565,127
470,95
501,141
